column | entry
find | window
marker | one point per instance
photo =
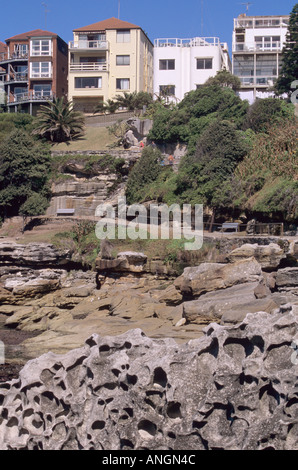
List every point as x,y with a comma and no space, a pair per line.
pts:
40,47
167,64
122,60
204,64
41,70
123,35
42,90
122,83
167,90
21,50
88,82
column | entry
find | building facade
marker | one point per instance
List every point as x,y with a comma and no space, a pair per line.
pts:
257,53
182,65
106,59
35,66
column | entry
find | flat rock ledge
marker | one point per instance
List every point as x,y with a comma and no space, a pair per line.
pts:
236,388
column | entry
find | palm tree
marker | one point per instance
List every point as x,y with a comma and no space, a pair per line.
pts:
58,122
106,107
127,100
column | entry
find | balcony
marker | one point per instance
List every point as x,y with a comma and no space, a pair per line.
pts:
257,81
258,47
17,77
6,57
249,22
89,45
31,96
195,42
89,67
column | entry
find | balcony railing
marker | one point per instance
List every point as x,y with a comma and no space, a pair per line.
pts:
17,77
176,42
258,47
95,45
257,81
261,22
31,96
7,56
88,67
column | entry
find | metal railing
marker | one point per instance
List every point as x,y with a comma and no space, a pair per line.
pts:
31,96
261,22
97,45
6,56
248,81
274,46
88,67
176,42
17,77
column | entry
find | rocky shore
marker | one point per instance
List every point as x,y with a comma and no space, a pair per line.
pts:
225,379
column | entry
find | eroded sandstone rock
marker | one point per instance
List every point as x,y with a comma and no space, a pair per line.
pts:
210,277
233,389
268,256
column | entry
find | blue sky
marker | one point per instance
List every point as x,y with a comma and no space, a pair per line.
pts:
159,19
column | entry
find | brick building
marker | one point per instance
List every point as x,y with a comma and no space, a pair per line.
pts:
34,70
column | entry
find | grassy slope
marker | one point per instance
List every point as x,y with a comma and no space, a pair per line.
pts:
96,138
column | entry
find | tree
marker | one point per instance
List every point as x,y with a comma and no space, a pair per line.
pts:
201,177
263,113
144,172
134,101
58,122
35,205
224,78
106,107
24,170
289,71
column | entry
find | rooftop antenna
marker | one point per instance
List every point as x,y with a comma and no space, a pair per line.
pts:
202,17
46,11
247,4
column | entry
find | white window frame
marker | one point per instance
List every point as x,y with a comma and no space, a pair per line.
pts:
36,49
205,59
42,73
123,57
166,62
99,82
123,36
123,80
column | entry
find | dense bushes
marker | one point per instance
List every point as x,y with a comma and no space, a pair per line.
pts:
240,158
24,174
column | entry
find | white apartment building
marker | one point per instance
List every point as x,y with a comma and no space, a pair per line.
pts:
257,53
182,65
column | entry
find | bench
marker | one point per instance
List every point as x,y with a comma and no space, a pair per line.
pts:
230,225
65,212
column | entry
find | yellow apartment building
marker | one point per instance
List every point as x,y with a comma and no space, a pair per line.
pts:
106,59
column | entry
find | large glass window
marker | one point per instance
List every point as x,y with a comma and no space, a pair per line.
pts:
204,64
167,64
41,70
122,60
88,82
122,83
244,65
123,35
40,47
42,90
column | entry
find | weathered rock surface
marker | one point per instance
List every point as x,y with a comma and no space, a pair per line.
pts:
230,305
129,261
268,256
287,277
233,389
210,277
33,254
